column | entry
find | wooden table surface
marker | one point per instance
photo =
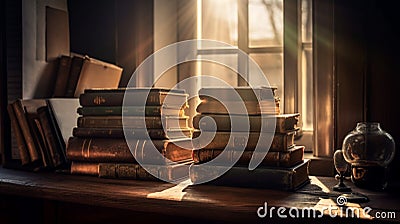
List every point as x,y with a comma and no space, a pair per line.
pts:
195,202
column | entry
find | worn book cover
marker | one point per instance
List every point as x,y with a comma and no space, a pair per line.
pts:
172,172
131,111
246,93
282,178
134,97
74,73
287,158
22,109
21,148
117,150
210,106
139,122
55,143
283,122
97,74
63,72
132,133
280,141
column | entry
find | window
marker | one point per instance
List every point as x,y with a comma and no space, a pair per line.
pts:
277,35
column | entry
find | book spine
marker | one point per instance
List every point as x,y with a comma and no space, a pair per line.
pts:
132,122
276,159
129,133
44,149
56,154
124,171
116,99
60,87
98,150
119,110
75,70
22,149
280,142
84,168
23,123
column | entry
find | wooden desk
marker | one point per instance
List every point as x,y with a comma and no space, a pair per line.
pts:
64,198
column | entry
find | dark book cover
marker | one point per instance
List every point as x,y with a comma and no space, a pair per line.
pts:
134,97
74,73
289,158
56,150
63,72
131,111
282,178
280,141
283,122
244,92
21,145
117,150
132,133
139,122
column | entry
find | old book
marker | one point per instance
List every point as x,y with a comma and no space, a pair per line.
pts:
55,144
283,122
21,145
117,150
131,111
97,74
74,73
173,172
210,106
278,178
34,153
154,122
37,131
134,97
132,133
244,92
63,72
287,158
280,141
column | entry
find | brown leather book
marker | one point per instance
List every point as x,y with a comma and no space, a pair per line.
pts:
288,158
280,142
246,93
63,72
132,133
117,150
139,122
278,178
21,145
135,97
283,122
211,106
133,171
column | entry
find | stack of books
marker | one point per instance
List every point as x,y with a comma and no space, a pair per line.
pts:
119,130
234,132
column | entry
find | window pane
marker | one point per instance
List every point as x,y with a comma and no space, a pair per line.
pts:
306,94
225,73
306,24
265,23
219,21
271,65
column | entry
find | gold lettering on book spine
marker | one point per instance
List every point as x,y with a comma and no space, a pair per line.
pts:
99,100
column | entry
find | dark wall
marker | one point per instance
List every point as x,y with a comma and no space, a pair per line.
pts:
92,28
108,30
367,66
